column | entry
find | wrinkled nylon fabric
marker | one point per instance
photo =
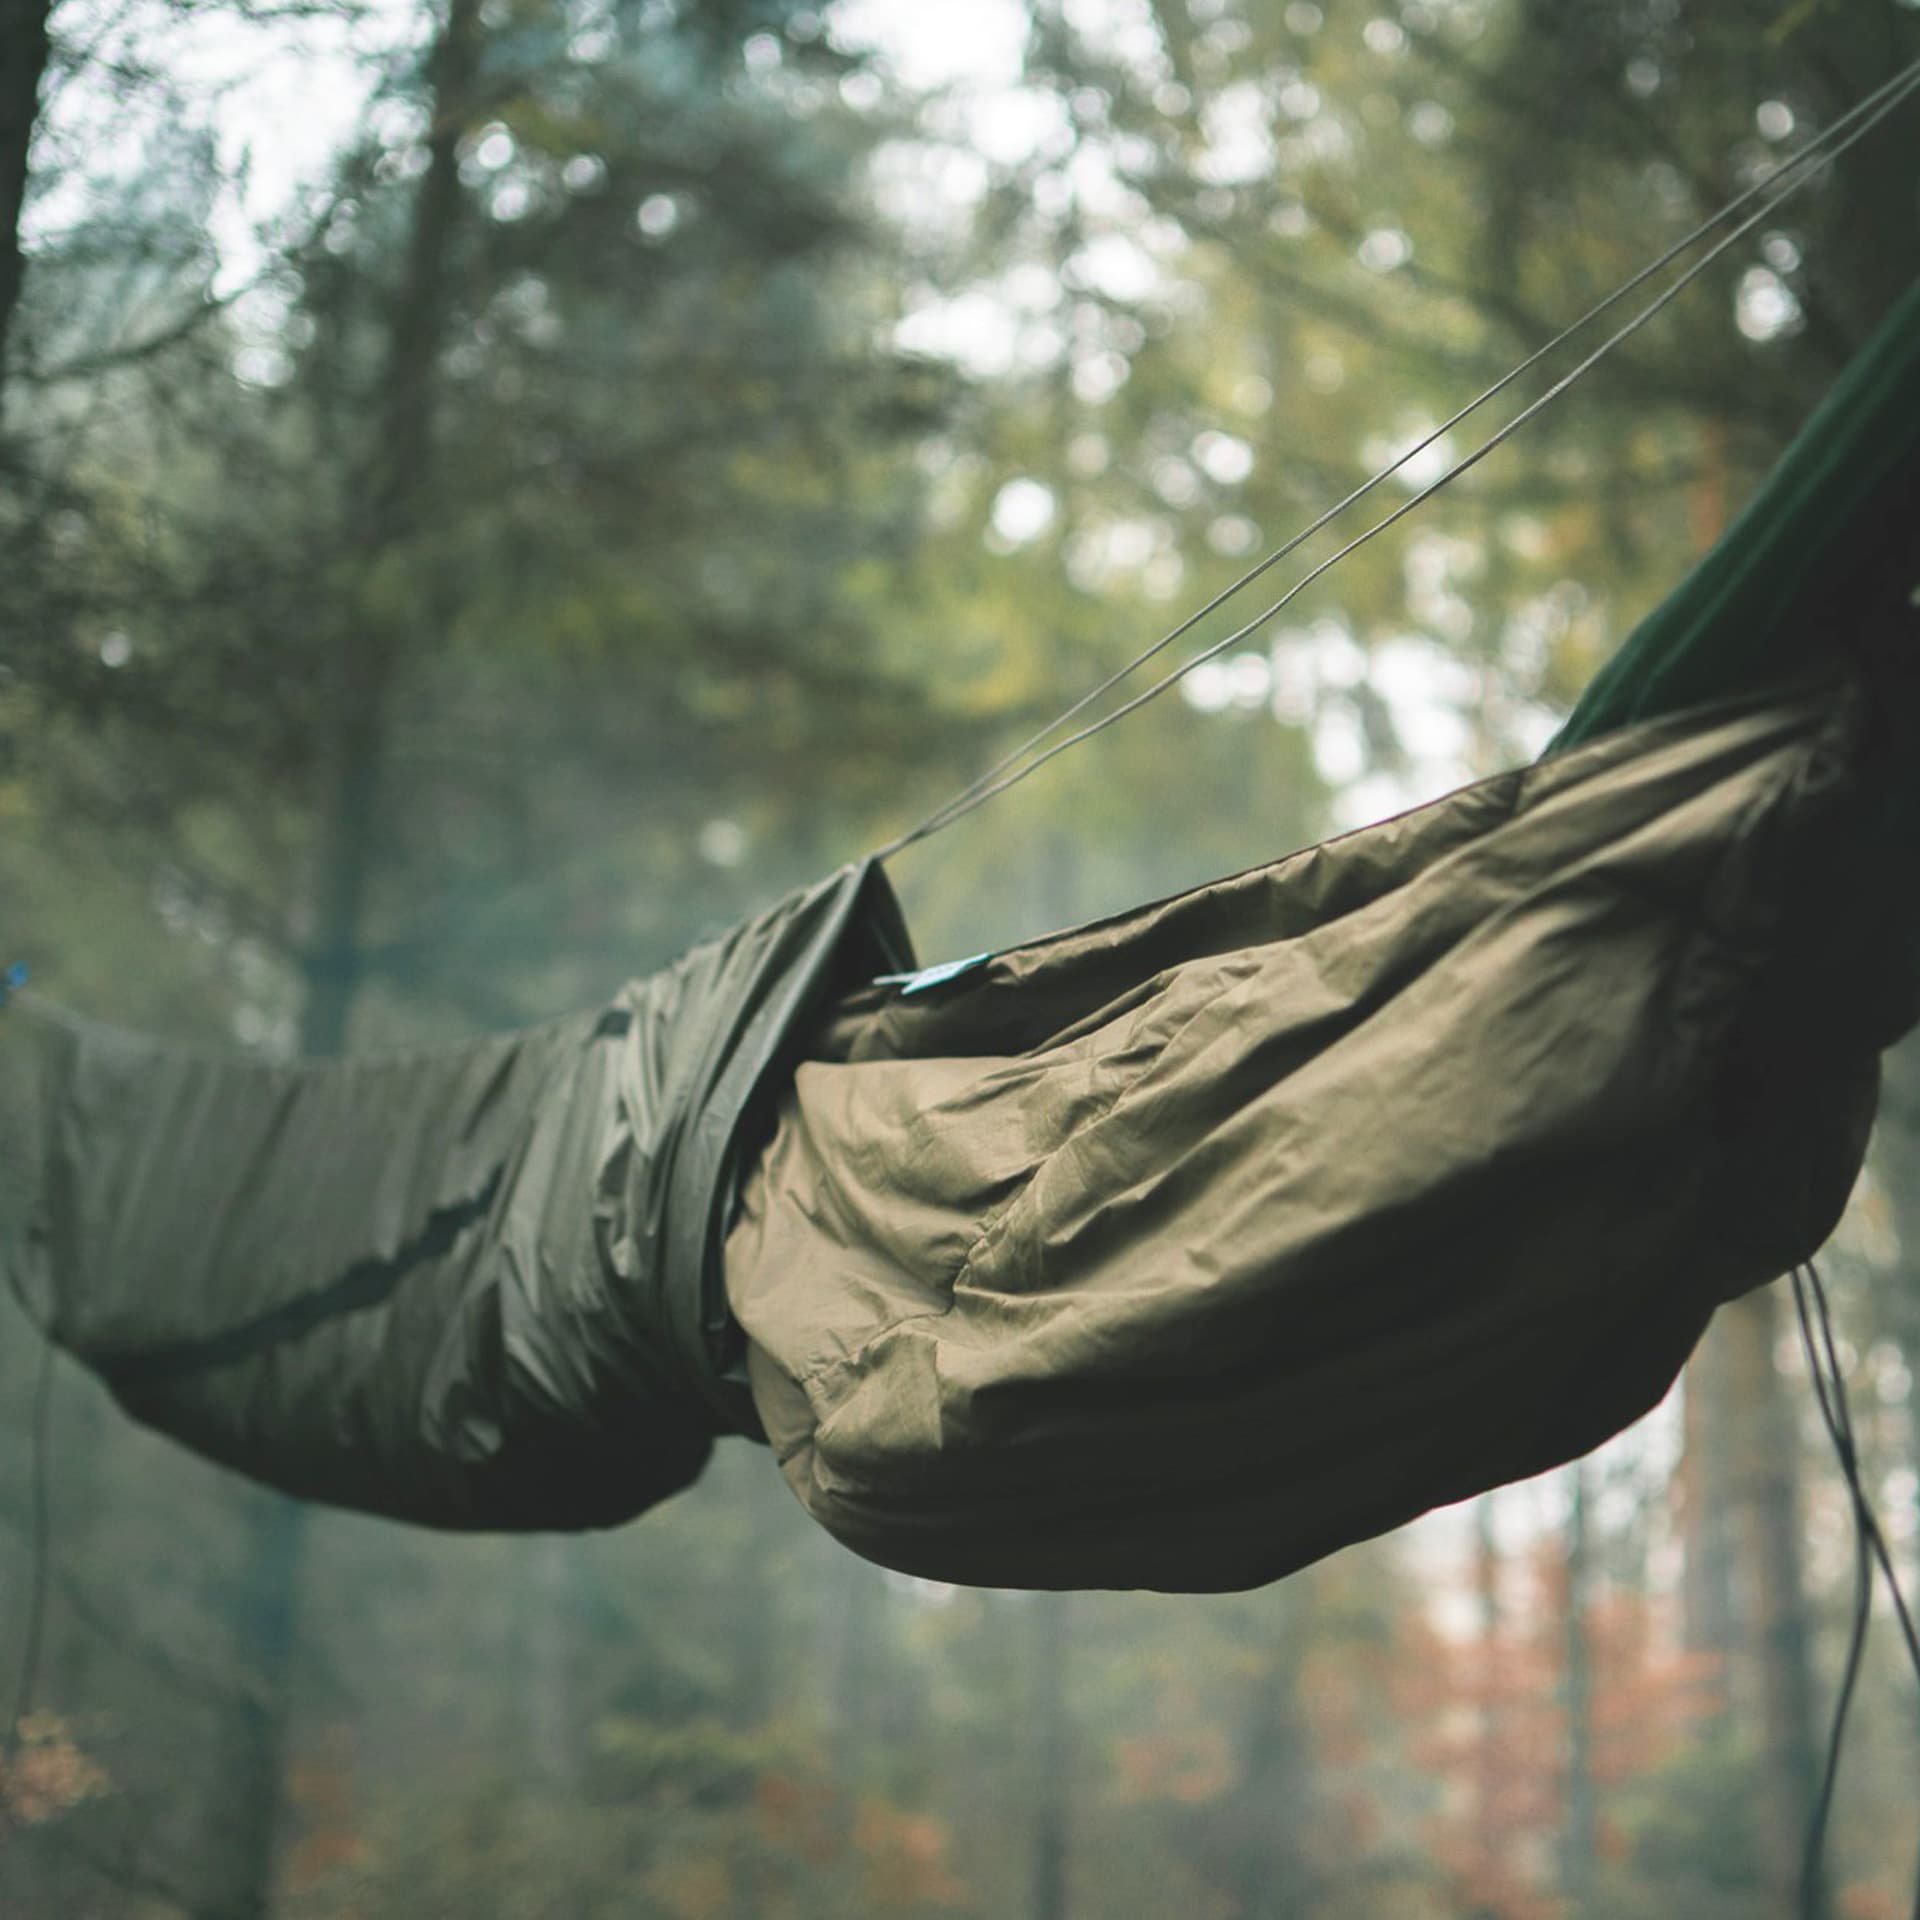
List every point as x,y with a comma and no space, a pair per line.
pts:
1180,1250
466,1288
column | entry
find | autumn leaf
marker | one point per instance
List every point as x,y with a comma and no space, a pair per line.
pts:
49,1774
906,1856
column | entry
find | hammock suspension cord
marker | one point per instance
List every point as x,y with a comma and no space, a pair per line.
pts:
1870,1547
1792,174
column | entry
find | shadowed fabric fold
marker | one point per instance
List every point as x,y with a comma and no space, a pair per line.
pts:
1180,1250
476,1287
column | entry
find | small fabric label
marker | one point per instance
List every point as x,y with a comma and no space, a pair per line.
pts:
933,976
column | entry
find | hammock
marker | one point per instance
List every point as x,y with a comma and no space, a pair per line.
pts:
1173,1251
1182,1249
476,1287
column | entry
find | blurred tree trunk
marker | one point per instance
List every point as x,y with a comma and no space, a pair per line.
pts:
24,50
386,509
1052,1755
550,1691
756,1593
1579,1849
269,1631
857,1655
1268,1871
1767,1466
1488,1839
1897,1157
1706,1502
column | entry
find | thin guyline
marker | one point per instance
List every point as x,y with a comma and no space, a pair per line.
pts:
1806,154
1777,187
984,794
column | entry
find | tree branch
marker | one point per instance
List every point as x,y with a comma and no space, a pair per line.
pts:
90,366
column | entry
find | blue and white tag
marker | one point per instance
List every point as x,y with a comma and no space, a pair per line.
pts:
933,976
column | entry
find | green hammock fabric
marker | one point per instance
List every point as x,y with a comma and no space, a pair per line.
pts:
1795,574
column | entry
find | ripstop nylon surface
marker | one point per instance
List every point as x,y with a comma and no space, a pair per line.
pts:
1179,1250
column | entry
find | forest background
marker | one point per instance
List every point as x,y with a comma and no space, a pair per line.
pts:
491,492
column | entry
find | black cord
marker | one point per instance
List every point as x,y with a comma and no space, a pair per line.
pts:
1870,1521
1870,1546
42,1568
